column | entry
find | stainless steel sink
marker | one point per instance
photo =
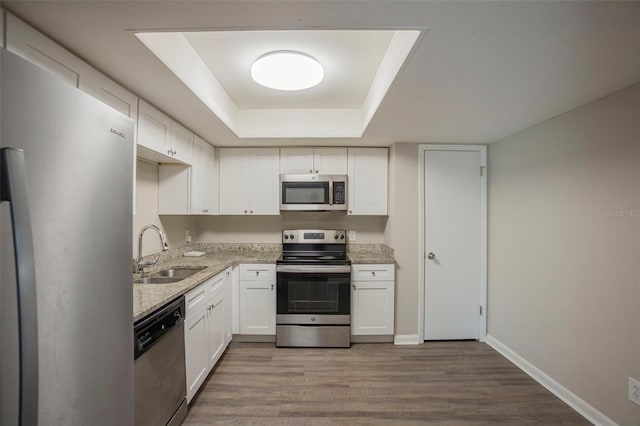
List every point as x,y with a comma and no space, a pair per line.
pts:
158,280
180,273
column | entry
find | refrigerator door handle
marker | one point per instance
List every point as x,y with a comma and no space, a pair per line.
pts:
13,188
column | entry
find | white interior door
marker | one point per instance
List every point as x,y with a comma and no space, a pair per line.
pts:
453,267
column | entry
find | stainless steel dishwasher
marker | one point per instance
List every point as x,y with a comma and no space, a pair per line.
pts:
160,378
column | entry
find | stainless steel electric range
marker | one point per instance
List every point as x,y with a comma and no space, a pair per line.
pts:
313,289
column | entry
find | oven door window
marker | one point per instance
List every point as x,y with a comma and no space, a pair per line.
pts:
313,293
305,192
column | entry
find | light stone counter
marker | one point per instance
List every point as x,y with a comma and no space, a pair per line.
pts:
149,297
370,253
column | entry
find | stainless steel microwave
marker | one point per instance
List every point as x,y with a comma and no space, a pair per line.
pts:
313,192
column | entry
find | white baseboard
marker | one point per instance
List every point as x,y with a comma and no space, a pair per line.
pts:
406,339
574,401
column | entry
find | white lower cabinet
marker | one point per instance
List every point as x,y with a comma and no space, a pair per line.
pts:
372,299
257,299
207,328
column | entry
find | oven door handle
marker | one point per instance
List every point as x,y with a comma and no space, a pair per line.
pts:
315,269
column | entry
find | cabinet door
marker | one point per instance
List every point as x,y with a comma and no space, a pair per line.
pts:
227,308
181,143
330,161
372,307
296,161
209,181
265,182
234,181
367,177
216,326
257,307
154,129
196,351
35,47
109,92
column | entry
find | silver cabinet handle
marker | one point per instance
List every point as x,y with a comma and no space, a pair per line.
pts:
13,188
431,256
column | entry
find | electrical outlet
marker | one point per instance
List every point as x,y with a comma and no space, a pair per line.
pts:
187,236
634,390
352,235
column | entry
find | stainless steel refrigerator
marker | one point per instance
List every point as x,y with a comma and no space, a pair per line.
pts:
66,319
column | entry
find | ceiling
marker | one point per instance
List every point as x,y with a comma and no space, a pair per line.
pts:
483,71
359,66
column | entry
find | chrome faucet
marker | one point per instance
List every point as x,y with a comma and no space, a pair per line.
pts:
138,265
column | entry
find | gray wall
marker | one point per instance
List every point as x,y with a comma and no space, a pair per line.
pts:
564,249
402,235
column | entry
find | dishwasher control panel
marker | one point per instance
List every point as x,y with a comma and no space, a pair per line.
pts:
151,328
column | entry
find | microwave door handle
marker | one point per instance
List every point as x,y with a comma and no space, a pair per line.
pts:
331,192
13,188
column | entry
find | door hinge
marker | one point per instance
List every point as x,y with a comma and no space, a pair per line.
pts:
480,310
482,170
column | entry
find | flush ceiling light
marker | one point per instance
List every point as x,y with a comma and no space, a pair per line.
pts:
287,70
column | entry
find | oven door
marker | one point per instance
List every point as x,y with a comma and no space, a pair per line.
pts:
313,294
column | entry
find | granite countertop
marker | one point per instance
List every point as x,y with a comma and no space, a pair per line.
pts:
149,297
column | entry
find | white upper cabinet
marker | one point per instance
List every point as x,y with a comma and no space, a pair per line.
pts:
109,92
37,48
162,139
154,129
181,143
367,174
324,161
249,181
203,179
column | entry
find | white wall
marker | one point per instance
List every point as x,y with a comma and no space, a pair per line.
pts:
564,249
147,212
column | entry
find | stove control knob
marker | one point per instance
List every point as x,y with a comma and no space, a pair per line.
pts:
291,236
342,237
286,237
336,237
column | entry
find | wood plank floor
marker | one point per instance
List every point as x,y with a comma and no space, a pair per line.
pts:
439,383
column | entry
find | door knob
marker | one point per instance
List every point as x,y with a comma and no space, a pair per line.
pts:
431,256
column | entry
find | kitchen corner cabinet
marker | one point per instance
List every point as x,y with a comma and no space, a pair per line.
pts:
249,181
257,299
160,138
372,299
207,328
323,161
367,175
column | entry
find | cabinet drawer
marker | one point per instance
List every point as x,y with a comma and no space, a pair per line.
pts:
216,284
372,272
257,272
195,299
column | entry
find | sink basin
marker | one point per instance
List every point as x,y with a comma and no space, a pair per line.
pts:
180,273
158,280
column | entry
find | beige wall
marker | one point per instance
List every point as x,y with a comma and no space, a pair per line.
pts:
147,212
564,284
402,235
268,229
